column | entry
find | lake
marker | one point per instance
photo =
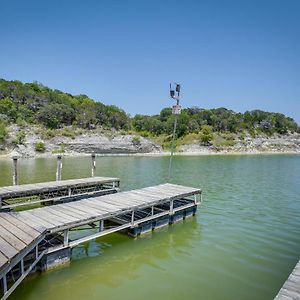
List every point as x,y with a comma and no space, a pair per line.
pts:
242,244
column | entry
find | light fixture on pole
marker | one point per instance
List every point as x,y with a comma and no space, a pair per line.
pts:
176,110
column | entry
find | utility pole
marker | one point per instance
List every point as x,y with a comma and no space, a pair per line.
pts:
176,110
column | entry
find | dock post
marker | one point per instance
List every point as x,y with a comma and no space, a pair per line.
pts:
15,174
66,237
171,207
58,168
4,284
101,225
93,164
132,218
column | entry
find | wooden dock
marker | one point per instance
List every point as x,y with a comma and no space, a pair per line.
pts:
291,288
40,237
55,191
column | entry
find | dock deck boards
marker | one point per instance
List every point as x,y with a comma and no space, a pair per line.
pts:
20,229
15,237
291,288
14,190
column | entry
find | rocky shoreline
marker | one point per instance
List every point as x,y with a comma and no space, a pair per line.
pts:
117,143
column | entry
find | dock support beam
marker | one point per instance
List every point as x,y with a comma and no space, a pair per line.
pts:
58,168
15,174
101,225
93,164
132,218
66,237
171,207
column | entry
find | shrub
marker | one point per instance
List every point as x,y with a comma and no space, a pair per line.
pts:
60,150
3,131
40,146
206,134
136,140
68,133
19,139
48,133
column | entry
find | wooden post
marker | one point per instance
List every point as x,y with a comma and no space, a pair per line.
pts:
132,218
58,168
15,171
93,164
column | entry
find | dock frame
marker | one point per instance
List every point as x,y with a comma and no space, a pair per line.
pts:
135,212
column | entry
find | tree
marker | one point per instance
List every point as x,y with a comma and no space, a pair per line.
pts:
206,134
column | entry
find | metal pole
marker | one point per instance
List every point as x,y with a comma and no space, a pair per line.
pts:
15,174
93,164
58,168
172,149
173,143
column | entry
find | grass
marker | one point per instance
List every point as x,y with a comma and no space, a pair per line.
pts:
60,150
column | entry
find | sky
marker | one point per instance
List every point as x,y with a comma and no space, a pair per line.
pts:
242,55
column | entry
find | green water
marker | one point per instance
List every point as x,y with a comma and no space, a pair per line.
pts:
243,243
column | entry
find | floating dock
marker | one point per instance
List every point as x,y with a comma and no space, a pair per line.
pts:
39,239
291,288
56,191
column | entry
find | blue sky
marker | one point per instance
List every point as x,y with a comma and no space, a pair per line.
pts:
241,55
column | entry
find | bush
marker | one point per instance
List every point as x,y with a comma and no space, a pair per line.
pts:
3,131
136,140
60,150
19,139
48,133
68,133
206,134
40,146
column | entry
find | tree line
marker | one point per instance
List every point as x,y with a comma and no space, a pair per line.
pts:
35,103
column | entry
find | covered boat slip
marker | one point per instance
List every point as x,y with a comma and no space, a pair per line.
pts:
39,236
20,195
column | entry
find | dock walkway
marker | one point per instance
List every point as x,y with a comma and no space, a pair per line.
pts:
291,288
27,236
25,194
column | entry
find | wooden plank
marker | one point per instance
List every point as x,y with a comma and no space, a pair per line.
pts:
90,213
7,249
20,234
31,221
103,208
28,217
64,217
69,211
46,216
30,230
3,260
99,208
291,287
112,202
72,209
12,239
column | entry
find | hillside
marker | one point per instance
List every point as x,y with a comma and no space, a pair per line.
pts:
35,117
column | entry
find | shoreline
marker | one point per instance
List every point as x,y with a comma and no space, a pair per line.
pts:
153,154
